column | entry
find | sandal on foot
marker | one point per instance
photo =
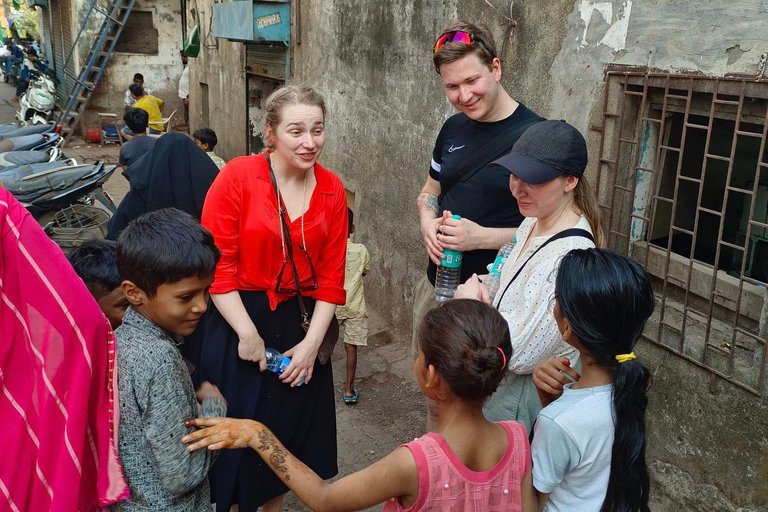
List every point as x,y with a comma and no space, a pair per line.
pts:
350,399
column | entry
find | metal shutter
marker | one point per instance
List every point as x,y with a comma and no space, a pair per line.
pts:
271,61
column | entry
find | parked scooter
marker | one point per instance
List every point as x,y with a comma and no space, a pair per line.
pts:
18,158
63,198
36,142
15,130
36,104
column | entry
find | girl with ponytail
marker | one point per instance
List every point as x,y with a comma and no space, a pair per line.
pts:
589,441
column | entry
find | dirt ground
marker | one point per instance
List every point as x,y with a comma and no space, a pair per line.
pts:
391,409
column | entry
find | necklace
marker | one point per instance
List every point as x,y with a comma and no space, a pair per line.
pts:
281,211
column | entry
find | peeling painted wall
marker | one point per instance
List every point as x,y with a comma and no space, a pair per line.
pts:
372,61
161,72
711,37
220,66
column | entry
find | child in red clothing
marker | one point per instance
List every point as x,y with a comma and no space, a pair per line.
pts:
468,463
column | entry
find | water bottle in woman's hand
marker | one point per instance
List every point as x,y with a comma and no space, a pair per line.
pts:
277,363
493,281
448,273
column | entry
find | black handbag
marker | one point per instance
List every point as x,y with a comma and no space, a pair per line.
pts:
332,334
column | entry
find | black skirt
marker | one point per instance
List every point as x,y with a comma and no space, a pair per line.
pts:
303,418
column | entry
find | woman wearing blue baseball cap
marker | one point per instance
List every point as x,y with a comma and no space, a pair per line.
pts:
547,178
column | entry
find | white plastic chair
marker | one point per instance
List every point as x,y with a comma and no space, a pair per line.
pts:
167,121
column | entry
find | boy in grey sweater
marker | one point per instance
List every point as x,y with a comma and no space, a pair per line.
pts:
166,260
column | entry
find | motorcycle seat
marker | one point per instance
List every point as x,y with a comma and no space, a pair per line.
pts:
16,158
5,128
24,143
12,174
27,130
29,186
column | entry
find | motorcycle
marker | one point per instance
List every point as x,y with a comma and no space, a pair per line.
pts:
37,103
15,130
14,159
35,142
63,198
16,70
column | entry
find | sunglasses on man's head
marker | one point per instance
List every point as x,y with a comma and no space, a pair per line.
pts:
461,37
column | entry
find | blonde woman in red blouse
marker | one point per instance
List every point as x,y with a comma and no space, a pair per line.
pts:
254,294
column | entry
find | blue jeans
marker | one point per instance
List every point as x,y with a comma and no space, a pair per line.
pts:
9,64
21,87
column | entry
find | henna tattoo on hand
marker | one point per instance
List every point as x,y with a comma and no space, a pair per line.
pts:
278,457
428,202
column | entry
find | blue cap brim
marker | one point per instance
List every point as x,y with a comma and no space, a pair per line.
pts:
527,169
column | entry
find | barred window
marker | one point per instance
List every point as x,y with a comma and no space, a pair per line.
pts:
683,183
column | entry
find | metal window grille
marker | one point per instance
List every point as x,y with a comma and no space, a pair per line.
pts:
683,186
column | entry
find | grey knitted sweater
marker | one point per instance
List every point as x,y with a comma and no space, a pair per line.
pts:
156,397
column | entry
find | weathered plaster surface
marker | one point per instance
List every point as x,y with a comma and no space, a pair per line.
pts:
220,65
707,443
161,72
372,61
710,37
708,446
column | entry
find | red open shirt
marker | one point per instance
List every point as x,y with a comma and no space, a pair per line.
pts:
241,212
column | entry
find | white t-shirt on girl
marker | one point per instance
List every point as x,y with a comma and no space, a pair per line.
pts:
571,449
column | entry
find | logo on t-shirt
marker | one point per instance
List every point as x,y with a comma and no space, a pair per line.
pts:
452,149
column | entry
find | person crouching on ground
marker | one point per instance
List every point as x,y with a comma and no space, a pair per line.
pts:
167,260
152,105
129,102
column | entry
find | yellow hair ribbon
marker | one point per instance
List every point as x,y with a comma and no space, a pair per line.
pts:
623,358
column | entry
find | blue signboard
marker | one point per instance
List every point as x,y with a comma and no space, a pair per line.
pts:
250,21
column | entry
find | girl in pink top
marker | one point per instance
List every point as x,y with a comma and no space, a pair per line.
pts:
467,464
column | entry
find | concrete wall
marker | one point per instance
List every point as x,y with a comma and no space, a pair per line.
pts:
708,444
371,60
220,66
708,439
161,71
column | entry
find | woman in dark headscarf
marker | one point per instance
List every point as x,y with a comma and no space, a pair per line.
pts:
174,174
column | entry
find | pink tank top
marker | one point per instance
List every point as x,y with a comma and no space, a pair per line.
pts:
446,485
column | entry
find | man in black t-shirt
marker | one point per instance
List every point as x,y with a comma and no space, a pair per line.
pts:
136,120
465,57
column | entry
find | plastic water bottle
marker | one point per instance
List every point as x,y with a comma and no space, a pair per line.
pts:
493,281
448,273
277,362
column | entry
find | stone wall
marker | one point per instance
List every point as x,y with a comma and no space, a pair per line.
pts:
372,60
